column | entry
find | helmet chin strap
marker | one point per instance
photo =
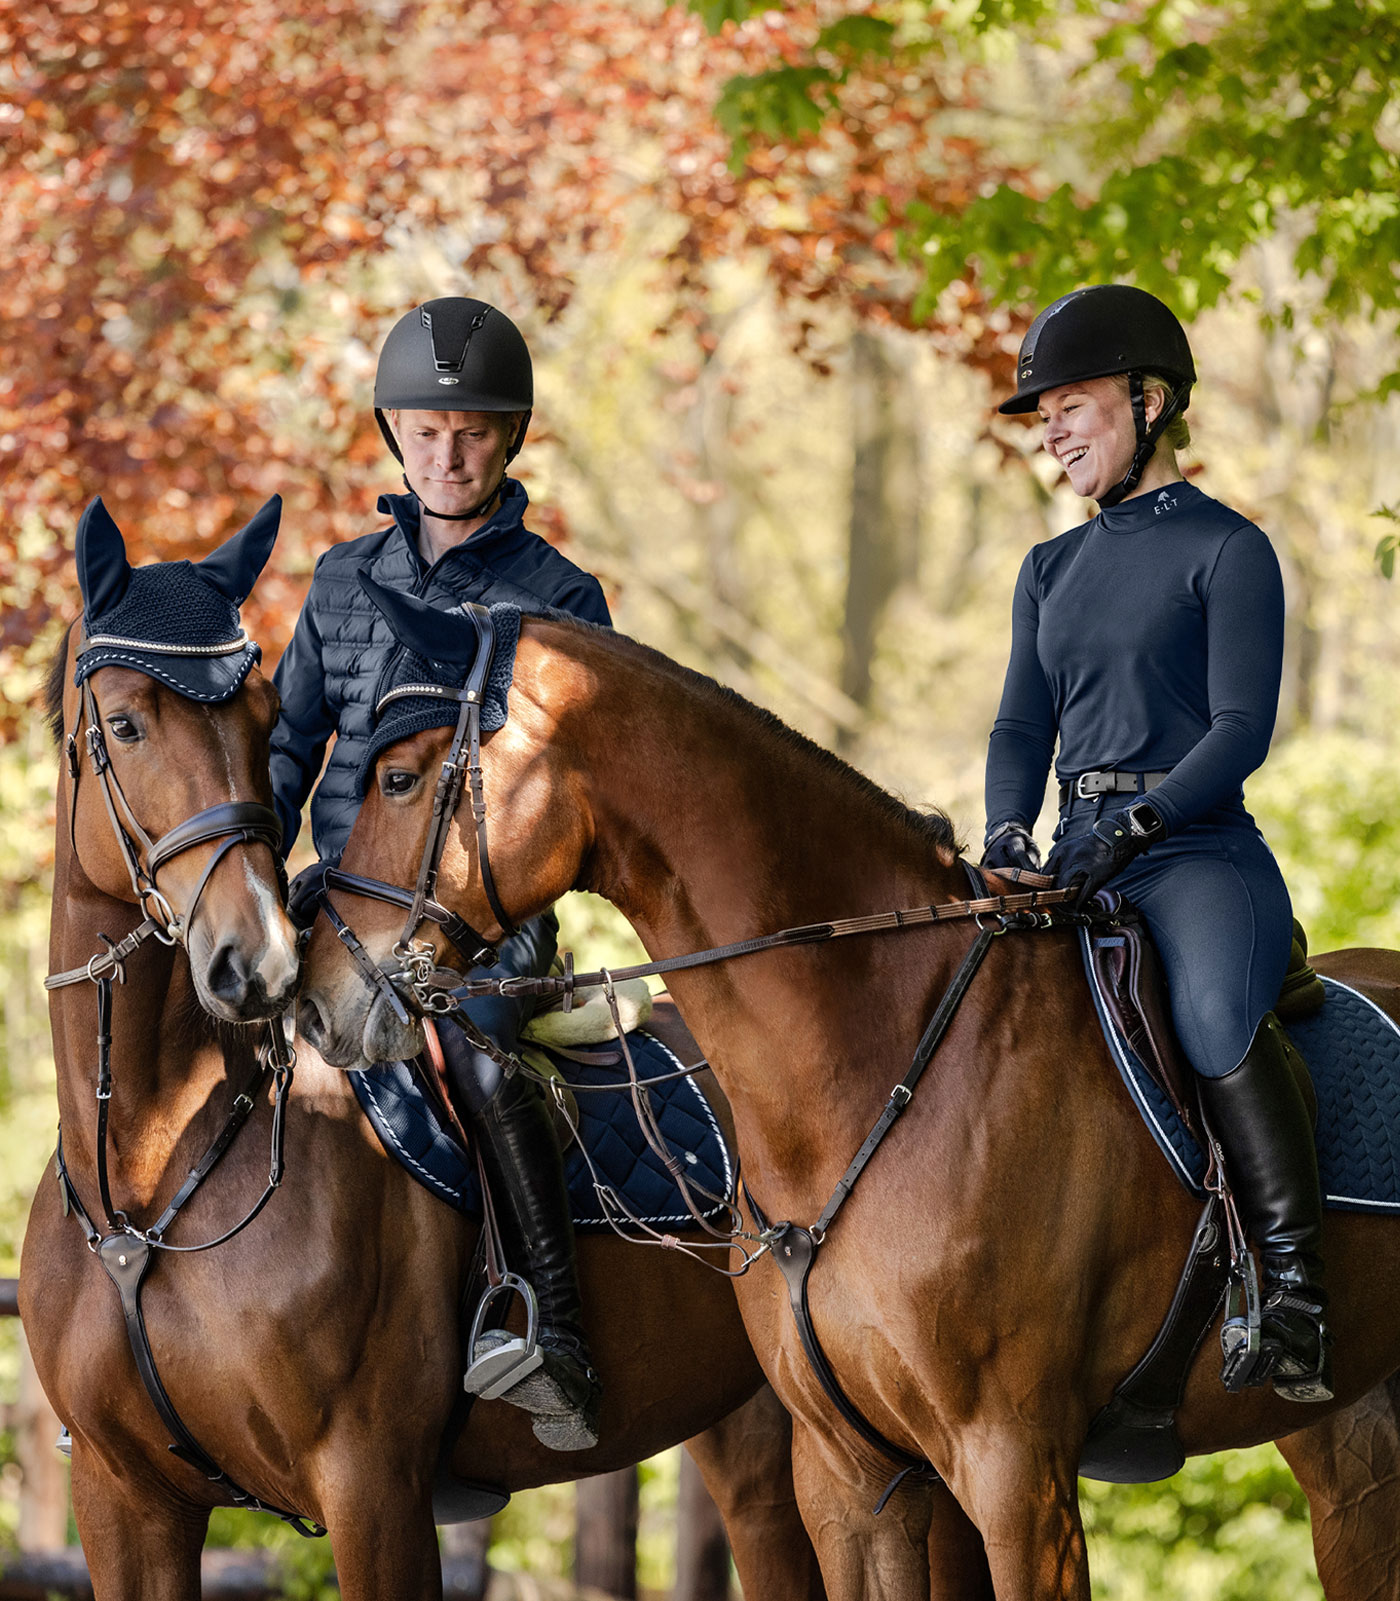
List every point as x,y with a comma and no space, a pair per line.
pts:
479,510
1147,436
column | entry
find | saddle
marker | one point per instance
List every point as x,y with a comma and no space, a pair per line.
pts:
1134,993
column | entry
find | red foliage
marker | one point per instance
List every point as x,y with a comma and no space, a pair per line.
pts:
192,190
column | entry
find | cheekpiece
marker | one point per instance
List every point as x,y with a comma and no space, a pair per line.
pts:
175,626
420,693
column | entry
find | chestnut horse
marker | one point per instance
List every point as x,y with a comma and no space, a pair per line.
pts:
315,1356
1011,1250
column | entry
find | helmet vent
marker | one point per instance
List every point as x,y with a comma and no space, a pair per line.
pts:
451,324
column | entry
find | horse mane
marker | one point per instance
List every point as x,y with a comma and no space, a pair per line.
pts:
930,825
54,684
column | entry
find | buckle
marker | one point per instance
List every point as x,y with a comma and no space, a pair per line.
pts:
1081,793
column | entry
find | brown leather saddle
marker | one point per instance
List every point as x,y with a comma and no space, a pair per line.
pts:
1134,991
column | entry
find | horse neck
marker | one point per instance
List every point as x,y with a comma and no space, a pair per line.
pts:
167,1065
711,826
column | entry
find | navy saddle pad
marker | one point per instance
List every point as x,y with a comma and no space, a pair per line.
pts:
409,1129
1353,1054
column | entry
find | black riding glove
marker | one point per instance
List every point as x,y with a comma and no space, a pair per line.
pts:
1010,845
1087,862
304,895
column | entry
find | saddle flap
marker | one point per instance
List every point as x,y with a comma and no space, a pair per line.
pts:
1134,993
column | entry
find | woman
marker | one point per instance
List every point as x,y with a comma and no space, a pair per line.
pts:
1149,643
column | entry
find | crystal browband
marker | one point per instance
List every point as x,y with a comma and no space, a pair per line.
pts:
156,648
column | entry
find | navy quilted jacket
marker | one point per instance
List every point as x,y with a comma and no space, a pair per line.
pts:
341,651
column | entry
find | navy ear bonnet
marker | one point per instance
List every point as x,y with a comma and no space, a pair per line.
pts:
408,714
176,621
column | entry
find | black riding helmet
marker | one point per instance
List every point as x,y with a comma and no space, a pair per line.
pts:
1099,331
454,354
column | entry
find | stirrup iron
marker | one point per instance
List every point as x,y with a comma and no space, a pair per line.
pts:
500,1369
1245,1361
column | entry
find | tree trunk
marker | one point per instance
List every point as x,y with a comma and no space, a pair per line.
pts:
464,1547
605,1542
702,1548
883,524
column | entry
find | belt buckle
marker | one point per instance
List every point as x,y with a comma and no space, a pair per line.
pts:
1080,793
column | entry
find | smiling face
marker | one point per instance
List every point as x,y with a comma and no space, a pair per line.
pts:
453,459
1089,431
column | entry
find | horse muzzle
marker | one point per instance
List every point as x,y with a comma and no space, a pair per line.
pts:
356,1035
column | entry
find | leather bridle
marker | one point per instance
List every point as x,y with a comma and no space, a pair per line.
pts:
126,1251
460,768
230,822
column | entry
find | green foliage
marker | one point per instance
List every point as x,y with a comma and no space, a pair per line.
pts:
306,1568
1327,806
1388,543
1232,1527
1208,131
715,13
858,37
786,103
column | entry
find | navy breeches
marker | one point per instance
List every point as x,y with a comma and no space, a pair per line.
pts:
1218,910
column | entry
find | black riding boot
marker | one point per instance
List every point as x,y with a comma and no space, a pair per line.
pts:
520,1154
1259,1116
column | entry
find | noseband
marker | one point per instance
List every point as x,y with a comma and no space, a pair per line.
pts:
462,766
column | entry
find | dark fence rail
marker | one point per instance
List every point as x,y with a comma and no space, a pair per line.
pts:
224,1576
9,1297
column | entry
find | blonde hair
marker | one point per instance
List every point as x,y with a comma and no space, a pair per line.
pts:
1178,431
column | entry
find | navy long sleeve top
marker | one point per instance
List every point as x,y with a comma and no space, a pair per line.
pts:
1149,639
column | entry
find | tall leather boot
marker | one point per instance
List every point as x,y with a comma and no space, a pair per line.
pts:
1259,1116
521,1157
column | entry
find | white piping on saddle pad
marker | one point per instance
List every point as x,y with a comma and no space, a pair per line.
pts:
1385,1017
590,1022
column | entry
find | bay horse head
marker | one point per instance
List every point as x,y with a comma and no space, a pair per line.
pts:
418,768
167,723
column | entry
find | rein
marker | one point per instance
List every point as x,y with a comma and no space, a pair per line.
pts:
438,990
124,1250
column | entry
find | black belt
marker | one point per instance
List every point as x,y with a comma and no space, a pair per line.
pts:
1087,785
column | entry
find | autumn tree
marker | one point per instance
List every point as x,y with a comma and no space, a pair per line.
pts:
179,184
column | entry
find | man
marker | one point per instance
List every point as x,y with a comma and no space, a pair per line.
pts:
452,396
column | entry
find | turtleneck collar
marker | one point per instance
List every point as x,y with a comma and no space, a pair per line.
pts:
1149,510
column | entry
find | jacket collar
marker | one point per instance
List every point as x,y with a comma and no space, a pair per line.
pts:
506,522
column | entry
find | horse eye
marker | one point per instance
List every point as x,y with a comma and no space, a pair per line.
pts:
123,729
398,782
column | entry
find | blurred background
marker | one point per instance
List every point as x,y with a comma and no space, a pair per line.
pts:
773,265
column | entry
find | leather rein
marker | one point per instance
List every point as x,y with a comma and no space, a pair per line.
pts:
438,990
125,1251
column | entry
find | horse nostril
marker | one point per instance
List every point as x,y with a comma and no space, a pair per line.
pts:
228,976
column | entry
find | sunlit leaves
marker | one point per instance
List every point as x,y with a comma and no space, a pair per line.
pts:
858,37
715,13
786,103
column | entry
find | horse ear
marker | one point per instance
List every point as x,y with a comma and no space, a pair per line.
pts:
440,636
103,570
234,567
